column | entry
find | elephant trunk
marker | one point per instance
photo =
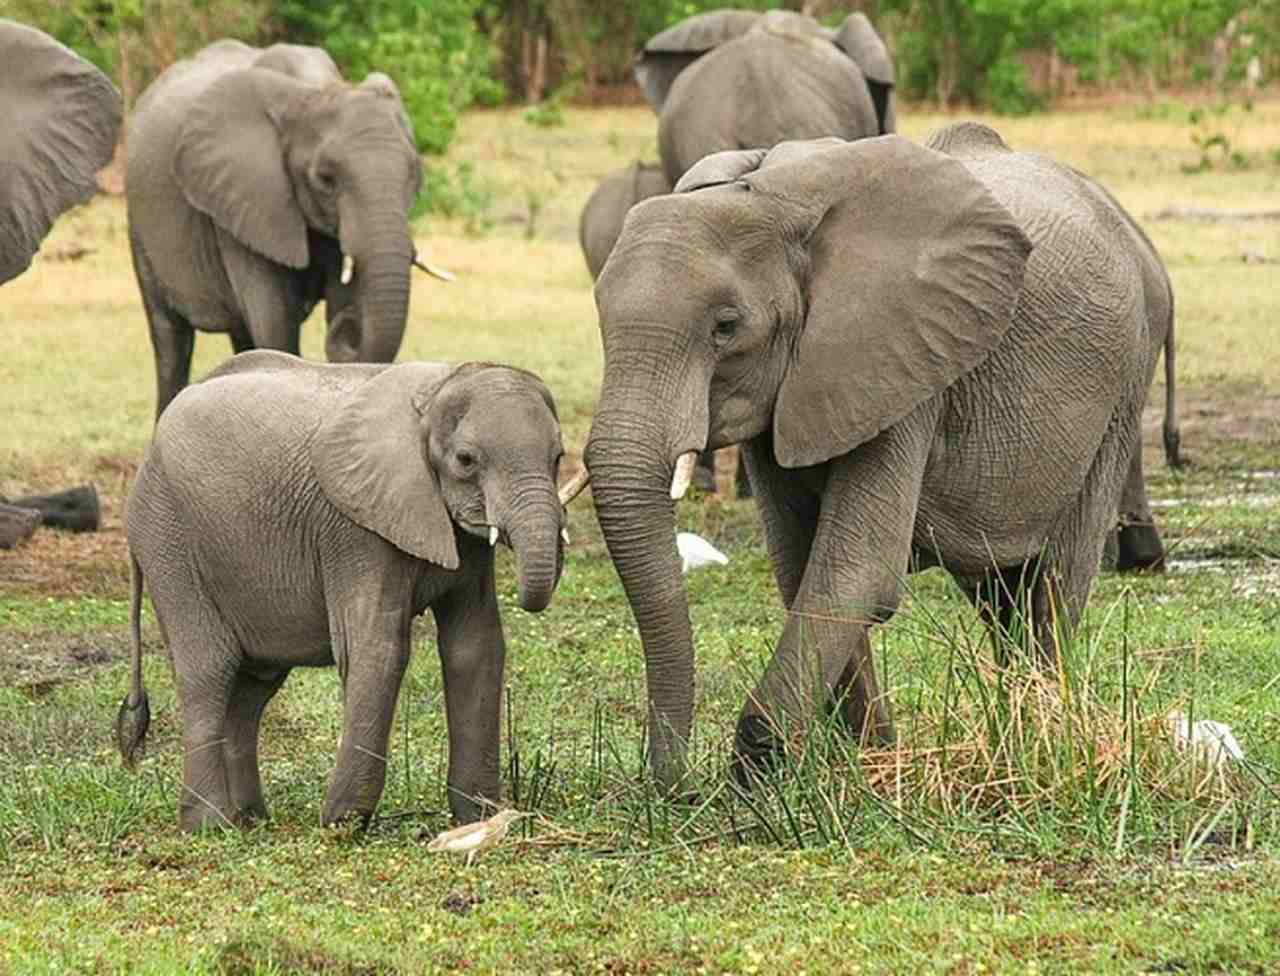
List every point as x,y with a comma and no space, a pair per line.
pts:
534,534
377,255
630,457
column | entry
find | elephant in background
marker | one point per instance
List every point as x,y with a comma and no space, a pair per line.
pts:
59,120
932,356
731,79
602,216
297,514
260,182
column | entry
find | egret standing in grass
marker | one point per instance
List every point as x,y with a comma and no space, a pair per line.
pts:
476,838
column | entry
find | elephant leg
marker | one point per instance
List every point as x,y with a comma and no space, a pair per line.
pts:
742,480
704,474
1060,588
472,655
1138,542
206,657
249,696
788,510
853,579
241,341
272,300
172,341
1005,599
372,652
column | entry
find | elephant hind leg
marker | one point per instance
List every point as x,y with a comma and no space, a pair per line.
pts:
1010,599
1138,542
249,696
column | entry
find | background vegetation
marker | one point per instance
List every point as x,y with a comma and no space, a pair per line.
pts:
1012,55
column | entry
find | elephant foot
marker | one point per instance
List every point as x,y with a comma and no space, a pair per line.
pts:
202,818
1138,549
342,812
756,750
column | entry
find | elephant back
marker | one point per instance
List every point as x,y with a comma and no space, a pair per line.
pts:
763,88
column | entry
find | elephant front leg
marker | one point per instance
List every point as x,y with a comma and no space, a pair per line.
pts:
852,580
472,654
372,667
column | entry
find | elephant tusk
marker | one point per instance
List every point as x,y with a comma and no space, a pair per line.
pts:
564,537
433,269
348,268
683,474
493,535
573,487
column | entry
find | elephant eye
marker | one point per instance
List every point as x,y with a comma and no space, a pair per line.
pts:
466,460
726,326
325,179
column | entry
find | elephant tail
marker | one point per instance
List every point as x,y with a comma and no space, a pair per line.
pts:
1172,437
135,711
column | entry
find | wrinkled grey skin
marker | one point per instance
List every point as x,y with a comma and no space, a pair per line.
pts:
251,173
330,506
59,119
730,79
602,216
928,357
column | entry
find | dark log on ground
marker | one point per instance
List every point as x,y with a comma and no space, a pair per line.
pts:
16,524
75,509
1212,214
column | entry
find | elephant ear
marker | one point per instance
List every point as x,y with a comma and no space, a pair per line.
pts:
674,49
720,168
859,40
370,457
311,65
230,163
914,273
59,119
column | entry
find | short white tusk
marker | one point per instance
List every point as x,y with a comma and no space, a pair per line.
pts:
348,268
573,487
493,535
564,535
683,474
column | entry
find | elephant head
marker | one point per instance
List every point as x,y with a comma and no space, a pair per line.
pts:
422,448
670,52
812,295
313,176
59,118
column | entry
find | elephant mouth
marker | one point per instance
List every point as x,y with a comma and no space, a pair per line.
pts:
483,530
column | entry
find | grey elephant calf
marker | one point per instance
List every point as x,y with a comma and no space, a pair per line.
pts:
293,514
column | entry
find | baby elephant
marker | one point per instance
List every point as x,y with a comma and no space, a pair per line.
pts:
294,514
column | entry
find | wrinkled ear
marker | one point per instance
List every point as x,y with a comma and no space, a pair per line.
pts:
914,272
674,49
59,118
858,39
720,168
230,163
370,458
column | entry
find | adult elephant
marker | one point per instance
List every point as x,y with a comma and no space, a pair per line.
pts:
59,119
932,355
601,220
730,79
260,182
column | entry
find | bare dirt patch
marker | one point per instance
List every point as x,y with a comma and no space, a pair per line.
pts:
39,664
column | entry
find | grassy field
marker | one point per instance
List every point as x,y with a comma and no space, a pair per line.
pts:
1025,823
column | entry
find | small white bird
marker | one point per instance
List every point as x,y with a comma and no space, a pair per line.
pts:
475,838
1213,740
696,552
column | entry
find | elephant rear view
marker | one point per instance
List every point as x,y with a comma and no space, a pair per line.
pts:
59,118
606,208
260,182
733,79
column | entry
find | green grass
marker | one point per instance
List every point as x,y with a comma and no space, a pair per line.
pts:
1018,828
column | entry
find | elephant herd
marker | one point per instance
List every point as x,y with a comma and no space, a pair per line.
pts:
928,354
